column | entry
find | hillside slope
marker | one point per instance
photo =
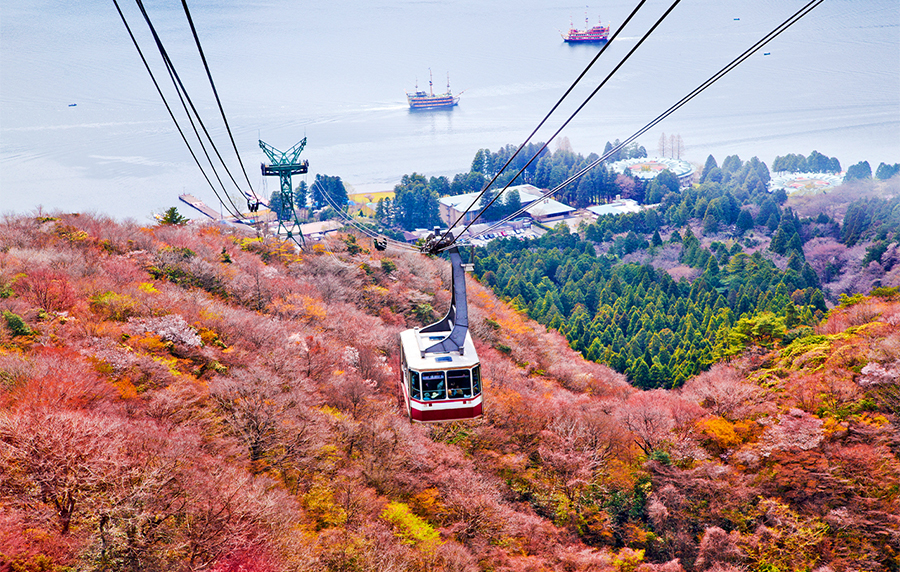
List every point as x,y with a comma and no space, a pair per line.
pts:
176,398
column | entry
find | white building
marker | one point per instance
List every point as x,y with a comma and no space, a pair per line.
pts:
317,230
805,183
648,168
617,207
541,210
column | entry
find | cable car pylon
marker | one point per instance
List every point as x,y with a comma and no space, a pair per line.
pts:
283,165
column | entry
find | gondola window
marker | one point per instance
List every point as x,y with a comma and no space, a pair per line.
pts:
433,385
415,390
459,384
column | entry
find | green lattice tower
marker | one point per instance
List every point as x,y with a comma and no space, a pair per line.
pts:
283,165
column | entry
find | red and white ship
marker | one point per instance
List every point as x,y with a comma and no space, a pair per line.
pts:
422,100
597,35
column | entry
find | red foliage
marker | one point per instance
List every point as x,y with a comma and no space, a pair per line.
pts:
161,479
46,288
123,271
718,548
23,540
252,559
722,391
61,459
58,379
649,418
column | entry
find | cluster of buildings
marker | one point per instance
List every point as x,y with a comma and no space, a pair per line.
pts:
537,211
549,212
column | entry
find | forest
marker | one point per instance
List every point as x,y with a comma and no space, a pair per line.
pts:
662,294
183,397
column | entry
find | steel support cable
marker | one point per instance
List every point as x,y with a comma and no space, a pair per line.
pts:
778,30
187,12
371,234
574,113
167,106
546,117
183,95
806,9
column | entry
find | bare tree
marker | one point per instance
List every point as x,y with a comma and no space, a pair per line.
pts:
648,418
60,459
263,411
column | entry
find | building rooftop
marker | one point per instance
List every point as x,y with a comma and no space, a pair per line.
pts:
528,194
547,208
617,207
649,167
323,227
805,183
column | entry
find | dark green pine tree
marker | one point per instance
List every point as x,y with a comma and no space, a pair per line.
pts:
300,195
709,166
744,221
795,244
640,374
780,241
861,170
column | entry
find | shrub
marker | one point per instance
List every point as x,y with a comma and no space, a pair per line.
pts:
173,217
118,307
47,289
16,324
848,301
410,528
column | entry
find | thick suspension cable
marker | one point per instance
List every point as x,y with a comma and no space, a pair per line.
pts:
546,117
576,112
169,108
187,12
778,30
184,95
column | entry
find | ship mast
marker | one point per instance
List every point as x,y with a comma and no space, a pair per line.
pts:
430,90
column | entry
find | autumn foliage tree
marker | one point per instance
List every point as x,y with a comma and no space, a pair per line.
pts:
174,409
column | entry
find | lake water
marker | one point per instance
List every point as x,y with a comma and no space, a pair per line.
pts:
337,72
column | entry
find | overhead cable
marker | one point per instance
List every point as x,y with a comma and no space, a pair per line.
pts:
169,108
184,95
778,30
546,117
187,12
576,112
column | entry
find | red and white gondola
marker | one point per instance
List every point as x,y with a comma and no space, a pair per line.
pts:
440,375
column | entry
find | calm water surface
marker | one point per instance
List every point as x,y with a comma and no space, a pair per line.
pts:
337,72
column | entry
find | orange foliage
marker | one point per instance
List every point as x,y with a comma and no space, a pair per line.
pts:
719,434
58,379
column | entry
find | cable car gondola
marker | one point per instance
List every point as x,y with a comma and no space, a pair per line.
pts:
440,376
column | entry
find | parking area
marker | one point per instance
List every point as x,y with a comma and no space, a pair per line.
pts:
522,232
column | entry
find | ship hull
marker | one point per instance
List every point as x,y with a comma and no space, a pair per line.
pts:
585,40
418,103
595,35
